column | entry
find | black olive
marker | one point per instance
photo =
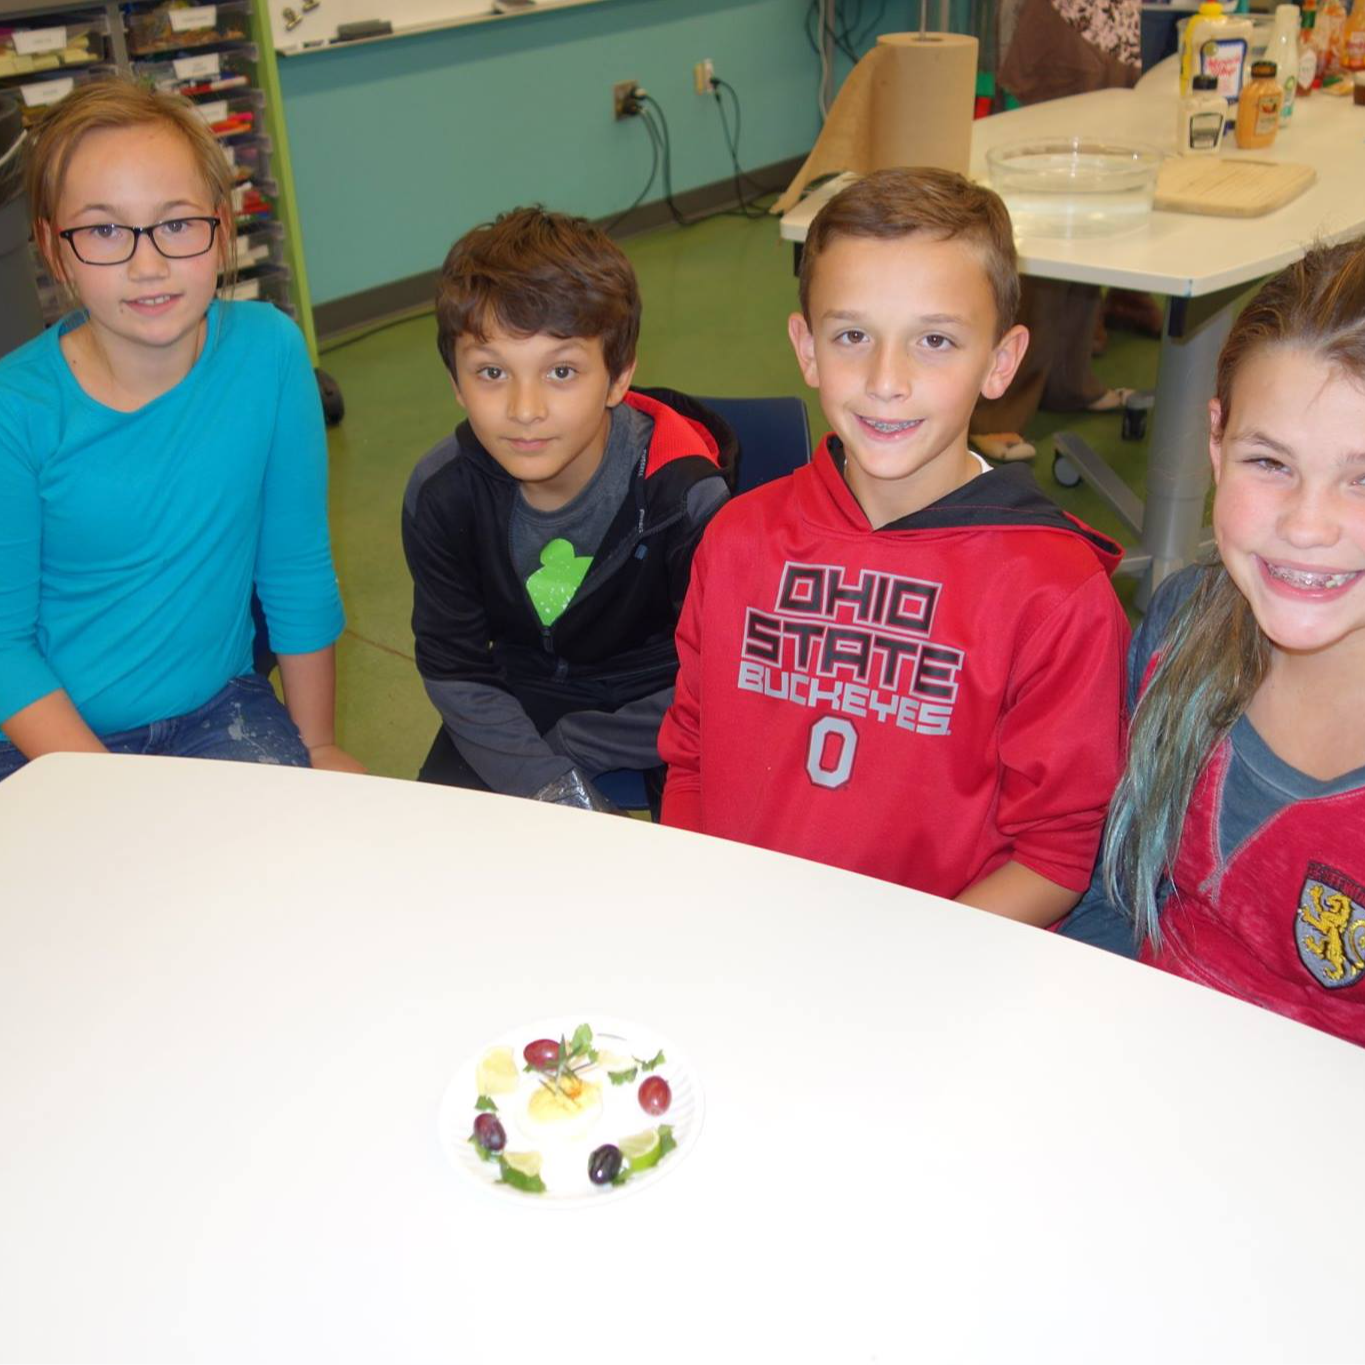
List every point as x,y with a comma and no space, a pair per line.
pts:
604,1165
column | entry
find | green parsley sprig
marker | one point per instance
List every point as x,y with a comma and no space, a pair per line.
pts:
518,1180
572,1056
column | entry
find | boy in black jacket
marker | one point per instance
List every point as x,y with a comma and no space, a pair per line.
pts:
550,538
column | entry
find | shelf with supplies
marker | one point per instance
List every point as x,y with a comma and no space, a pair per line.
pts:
269,284
203,76
221,57
259,245
52,44
35,94
180,28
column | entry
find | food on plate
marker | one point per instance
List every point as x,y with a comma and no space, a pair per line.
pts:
604,1165
496,1074
647,1149
654,1095
489,1133
521,1170
565,1099
565,1089
613,1062
542,1055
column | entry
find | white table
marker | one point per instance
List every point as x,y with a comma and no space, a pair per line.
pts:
1202,263
231,998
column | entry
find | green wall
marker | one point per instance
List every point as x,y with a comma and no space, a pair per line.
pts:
399,146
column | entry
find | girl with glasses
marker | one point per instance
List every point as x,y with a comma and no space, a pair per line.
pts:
161,456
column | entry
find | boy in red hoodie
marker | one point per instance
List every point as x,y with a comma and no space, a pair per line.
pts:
899,660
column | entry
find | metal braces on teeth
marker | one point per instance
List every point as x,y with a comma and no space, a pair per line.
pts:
1300,578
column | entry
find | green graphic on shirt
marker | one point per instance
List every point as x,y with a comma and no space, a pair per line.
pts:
553,585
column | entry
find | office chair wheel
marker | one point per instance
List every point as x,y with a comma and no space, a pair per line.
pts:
1066,473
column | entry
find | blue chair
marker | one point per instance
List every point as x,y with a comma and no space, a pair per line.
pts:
773,433
774,439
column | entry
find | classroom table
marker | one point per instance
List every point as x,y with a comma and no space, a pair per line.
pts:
231,998
1204,265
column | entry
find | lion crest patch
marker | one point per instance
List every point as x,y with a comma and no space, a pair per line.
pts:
1329,927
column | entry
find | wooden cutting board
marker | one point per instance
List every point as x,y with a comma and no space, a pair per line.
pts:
1227,188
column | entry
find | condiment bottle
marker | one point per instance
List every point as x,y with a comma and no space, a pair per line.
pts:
1327,36
1258,109
1215,45
1308,56
1353,39
1283,50
1200,119
1360,87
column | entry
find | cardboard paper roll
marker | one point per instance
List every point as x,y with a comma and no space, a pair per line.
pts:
908,102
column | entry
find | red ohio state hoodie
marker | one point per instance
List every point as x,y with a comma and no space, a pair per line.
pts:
921,703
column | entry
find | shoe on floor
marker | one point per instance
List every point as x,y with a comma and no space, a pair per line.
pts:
1004,445
1111,400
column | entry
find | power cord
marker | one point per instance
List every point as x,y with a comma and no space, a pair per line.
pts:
744,208
822,14
651,113
664,139
846,33
649,184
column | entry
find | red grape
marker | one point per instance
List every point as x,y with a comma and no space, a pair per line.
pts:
489,1132
543,1054
654,1095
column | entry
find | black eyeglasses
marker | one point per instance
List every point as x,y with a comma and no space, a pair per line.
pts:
113,243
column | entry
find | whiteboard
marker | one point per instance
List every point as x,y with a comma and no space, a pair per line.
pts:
317,29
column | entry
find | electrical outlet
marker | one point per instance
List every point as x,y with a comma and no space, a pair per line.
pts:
624,102
702,75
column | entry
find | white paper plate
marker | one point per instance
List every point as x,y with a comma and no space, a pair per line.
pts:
565,1155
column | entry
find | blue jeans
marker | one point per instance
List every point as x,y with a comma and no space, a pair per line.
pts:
244,722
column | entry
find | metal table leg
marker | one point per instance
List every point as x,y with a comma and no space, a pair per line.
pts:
1170,523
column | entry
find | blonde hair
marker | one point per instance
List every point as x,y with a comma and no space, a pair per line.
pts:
117,103
1215,654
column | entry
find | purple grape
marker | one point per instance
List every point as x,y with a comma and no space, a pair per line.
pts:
489,1133
604,1165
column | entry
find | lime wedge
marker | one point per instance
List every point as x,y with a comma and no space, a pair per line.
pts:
524,1163
643,1150
521,1170
496,1074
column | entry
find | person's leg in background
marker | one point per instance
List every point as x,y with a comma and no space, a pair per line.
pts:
1056,371
1055,48
1071,384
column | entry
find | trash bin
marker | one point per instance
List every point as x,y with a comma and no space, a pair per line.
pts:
20,316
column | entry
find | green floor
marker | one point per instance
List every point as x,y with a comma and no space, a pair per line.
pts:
697,336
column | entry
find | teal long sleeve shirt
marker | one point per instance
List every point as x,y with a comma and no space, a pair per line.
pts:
130,542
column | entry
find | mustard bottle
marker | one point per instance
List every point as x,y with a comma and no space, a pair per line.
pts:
1258,109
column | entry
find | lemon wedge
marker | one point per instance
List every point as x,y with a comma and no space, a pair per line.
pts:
496,1074
524,1163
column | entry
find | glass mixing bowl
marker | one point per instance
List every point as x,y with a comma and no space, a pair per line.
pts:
1074,186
